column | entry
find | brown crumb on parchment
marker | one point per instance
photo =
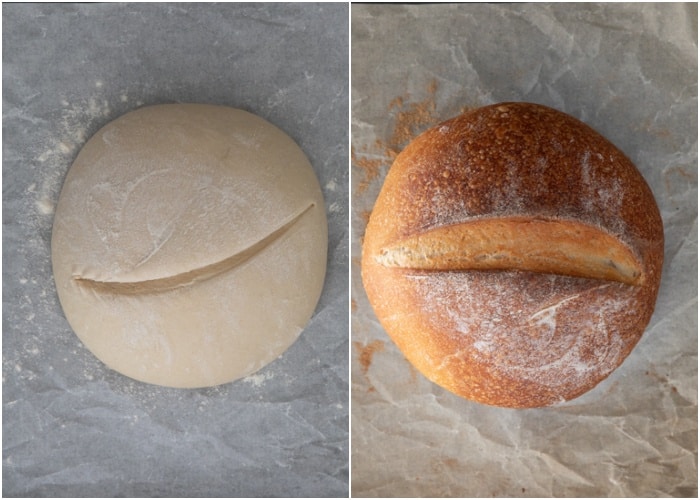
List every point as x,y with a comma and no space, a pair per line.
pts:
677,179
369,166
367,351
364,215
409,119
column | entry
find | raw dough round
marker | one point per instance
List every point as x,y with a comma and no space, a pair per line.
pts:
189,244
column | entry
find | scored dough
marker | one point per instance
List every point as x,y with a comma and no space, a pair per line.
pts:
189,244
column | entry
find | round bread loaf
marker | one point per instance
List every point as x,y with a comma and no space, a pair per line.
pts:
189,244
514,255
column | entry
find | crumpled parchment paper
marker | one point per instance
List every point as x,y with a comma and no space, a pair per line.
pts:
629,71
71,426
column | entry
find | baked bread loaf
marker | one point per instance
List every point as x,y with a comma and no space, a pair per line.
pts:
514,255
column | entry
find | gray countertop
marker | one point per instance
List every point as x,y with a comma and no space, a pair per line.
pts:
71,426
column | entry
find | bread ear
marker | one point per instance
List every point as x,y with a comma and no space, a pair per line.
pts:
568,248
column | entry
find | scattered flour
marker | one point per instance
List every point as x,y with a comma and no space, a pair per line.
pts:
258,379
45,206
59,148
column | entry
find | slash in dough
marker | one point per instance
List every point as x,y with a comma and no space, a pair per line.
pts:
189,244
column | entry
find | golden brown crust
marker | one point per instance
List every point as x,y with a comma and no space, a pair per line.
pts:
565,247
517,336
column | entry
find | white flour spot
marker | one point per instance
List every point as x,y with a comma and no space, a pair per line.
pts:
258,379
45,155
64,148
45,206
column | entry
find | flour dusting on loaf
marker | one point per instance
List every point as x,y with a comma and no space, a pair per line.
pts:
496,331
553,331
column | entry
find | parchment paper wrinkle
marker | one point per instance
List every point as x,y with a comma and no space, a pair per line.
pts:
630,72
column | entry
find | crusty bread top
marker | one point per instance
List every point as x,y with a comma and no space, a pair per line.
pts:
518,159
514,255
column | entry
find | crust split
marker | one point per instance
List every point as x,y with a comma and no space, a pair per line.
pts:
561,247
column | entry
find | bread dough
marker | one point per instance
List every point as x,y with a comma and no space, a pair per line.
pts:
189,244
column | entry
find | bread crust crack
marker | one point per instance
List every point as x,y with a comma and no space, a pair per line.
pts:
552,246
